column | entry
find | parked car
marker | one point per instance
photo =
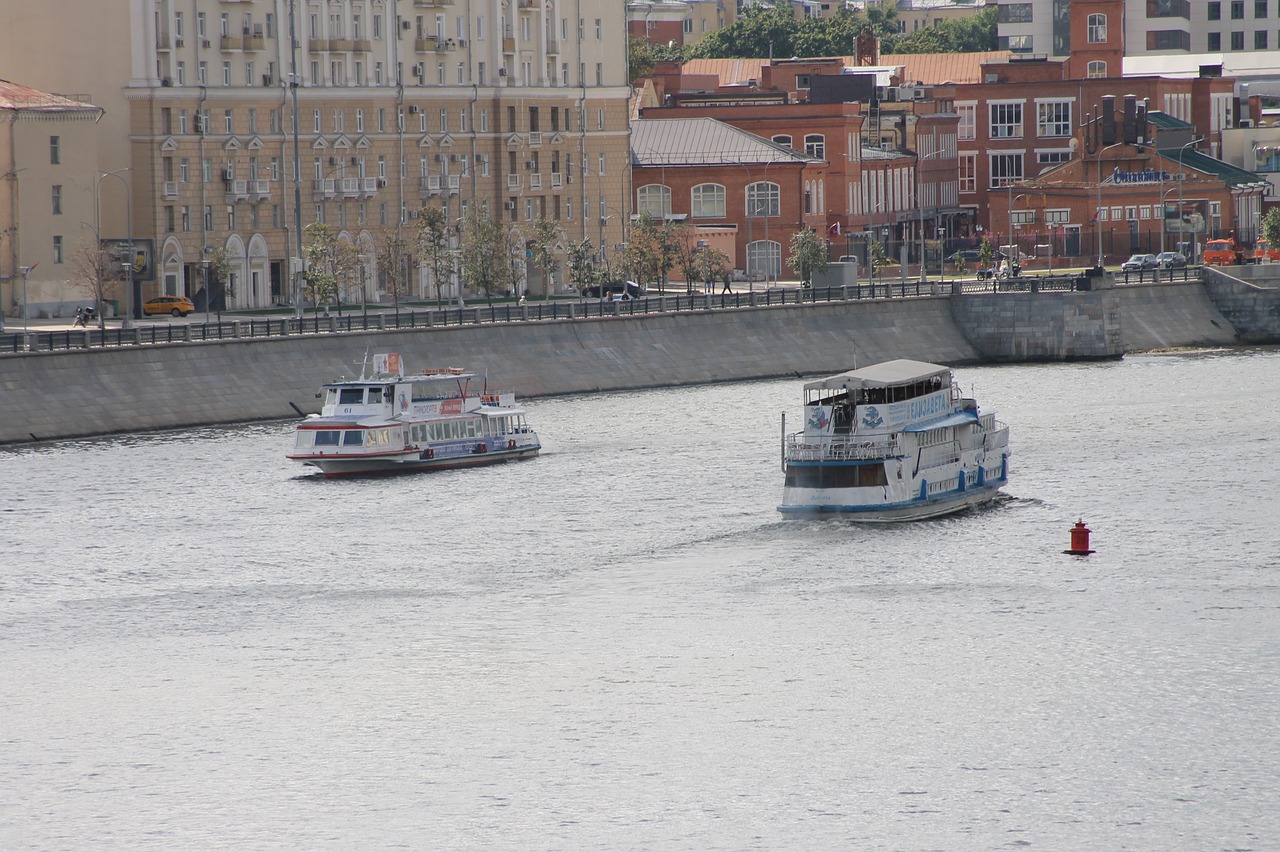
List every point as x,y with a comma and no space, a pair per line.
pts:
1170,260
1139,263
630,289
973,256
178,306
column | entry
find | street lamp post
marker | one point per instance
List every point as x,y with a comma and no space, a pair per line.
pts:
1182,179
127,320
208,296
920,206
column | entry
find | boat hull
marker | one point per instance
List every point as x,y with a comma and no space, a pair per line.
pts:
333,467
908,510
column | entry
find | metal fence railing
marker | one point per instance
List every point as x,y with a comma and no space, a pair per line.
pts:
508,312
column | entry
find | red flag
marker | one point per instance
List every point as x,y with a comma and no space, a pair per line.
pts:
835,229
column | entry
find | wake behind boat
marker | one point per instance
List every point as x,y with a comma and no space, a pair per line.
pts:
896,441
387,422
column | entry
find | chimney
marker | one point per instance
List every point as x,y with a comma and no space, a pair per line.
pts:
1141,122
1131,119
1108,120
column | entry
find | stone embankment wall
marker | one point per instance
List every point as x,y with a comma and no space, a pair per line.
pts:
1249,298
66,394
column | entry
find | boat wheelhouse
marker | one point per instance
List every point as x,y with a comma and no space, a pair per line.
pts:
387,422
892,442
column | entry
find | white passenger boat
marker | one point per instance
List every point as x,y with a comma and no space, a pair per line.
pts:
389,422
894,442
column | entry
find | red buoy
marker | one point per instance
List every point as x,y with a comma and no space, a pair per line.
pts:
1079,540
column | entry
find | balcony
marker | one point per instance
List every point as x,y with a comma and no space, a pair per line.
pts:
368,187
424,43
316,45
237,190
447,44
260,189
535,138
361,45
170,190
162,41
342,44
232,43
323,189
508,44
429,184
513,181
455,183
535,181
557,180
553,46
254,42
350,187
528,4
432,4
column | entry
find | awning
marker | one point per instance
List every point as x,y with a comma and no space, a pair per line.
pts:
960,418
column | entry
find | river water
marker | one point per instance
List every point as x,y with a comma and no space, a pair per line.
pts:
622,645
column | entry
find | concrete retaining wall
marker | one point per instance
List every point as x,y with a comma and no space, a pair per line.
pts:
1253,310
67,394
1048,326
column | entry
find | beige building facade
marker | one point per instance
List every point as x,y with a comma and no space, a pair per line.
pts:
512,106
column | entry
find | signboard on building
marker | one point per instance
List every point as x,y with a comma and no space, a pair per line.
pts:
1185,217
138,253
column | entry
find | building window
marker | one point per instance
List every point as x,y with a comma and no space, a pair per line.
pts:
968,172
1096,68
1237,41
1168,40
1097,29
815,145
1215,11
1260,9
1014,13
1053,158
1006,120
654,199
782,139
1237,10
708,201
1215,41
763,199
1260,40
1169,9
1005,169
1053,118
55,150
57,199
1057,217
57,249
1023,217
1015,44
968,119
802,81
764,259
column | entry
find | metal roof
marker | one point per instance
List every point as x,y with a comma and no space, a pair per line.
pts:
1164,121
704,142
889,373
1233,175
14,96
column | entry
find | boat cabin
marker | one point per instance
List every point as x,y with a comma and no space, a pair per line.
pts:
891,395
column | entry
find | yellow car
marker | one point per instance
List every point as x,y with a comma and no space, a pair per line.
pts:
179,306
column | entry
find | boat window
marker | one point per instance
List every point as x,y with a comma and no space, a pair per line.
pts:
471,428
353,438
375,396
836,476
330,396
351,396
327,438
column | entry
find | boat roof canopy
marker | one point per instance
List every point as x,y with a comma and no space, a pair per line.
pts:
888,374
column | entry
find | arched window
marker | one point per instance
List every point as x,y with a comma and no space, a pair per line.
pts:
707,201
783,139
815,145
764,259
763,200
1096,68
1097,29
654,199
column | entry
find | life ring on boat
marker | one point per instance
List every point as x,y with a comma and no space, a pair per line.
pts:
511,444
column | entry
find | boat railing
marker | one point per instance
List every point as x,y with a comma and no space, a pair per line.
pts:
997,437
801,447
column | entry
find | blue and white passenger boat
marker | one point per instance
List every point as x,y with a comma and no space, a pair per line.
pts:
894,442
389,422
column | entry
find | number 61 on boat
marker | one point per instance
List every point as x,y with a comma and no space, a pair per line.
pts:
897,441
388,422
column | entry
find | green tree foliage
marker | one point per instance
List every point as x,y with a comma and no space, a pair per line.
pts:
395,263
1271,227
960,35
545,246
319,249
808,255
986,253
432,245
639,58
582,267
879,260
491,255
762,31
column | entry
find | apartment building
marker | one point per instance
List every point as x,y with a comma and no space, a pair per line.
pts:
48,157
1147,26
518,107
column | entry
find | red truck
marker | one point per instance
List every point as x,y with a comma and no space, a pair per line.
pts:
1223,252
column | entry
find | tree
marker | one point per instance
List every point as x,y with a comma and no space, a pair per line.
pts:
582,268
97,272
879,260
639,59
432,244
320,252
774,31
959,35
395,260
544,244
986,253
1271,227
219,286
808,255
641,257
491,255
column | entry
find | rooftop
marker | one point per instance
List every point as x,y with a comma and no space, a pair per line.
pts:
1233,175
14,96
703,142
930,69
